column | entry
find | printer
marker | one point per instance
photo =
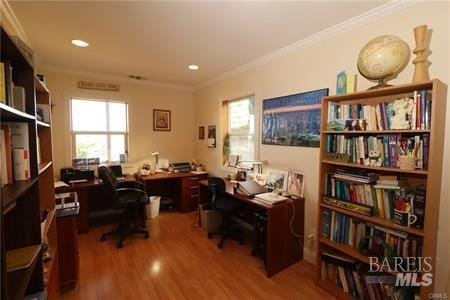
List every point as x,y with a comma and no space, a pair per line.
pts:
69,175
181,167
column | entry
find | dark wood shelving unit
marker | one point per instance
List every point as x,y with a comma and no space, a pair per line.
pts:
22,202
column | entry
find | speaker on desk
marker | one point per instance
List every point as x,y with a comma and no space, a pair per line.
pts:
259,235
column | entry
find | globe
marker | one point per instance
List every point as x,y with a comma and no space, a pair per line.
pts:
382,57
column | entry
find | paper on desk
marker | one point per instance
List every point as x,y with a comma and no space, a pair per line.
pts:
198,172
60,184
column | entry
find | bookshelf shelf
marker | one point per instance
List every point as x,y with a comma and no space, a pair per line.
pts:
49,221
382,169
40,86
351,251
376,220
333,107
11,192
20,278
43,166
42,124
10,114
376,132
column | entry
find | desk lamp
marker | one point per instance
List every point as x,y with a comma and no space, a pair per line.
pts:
156,155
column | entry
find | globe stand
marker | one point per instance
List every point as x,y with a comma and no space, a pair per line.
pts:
381,84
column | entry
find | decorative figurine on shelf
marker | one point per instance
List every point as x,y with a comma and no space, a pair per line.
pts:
420,62
375,159
400,111
383,58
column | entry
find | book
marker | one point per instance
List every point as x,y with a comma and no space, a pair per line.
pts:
350,83
20,140
8,82
7,173
341,83
21,164
2,83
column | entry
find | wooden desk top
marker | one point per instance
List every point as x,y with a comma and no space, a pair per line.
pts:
229,189
87,184
162,176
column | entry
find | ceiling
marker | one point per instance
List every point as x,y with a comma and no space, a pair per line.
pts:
158,40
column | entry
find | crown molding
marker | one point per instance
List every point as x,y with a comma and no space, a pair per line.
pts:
359,20
103,76
11,18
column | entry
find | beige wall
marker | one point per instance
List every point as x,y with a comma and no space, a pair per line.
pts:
316,67
175,145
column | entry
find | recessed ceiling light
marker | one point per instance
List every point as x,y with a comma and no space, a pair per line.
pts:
80,43
193,67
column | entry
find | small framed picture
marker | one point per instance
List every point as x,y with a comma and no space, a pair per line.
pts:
276,180
295,183
161,120
201,133
261,179
233,160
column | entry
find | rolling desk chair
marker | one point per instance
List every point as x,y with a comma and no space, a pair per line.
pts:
125,198
226,205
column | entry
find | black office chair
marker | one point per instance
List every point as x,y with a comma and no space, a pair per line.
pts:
128,196
221,202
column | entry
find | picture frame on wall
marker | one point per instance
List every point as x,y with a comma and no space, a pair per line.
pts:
295,184
201,132
293,120
161,120
211,136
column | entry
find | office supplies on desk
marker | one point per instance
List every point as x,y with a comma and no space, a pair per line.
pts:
181,167
250,188
72,174
117,170
270,198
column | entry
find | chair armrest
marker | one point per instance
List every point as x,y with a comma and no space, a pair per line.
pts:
128,183
123,190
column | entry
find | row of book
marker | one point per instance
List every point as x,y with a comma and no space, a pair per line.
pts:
381,150
378,194
381,116
355,279
14,152
341,228
10,94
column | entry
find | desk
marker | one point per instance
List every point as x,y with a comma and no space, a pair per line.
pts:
183,187
91,196
282,247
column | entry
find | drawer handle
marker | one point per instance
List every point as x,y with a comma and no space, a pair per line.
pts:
193,178
195,187
195,196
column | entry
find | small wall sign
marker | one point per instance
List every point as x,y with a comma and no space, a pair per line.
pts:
104,86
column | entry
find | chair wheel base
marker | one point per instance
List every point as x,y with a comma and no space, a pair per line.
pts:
102,238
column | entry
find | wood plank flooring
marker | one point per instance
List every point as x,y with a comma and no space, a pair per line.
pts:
179,262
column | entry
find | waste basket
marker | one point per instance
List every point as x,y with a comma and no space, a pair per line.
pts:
152,210
210,219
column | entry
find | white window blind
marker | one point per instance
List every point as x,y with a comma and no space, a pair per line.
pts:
99,129
241,128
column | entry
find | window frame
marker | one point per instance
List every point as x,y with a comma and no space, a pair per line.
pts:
107,132
226,111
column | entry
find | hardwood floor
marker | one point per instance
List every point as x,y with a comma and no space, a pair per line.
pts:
179,262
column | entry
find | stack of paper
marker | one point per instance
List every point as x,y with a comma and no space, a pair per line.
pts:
270,198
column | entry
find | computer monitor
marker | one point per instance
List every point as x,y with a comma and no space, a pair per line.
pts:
117,170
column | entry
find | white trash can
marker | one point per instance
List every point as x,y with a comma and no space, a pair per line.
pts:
152,210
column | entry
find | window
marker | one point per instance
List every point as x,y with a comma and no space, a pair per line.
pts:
241,128
99,129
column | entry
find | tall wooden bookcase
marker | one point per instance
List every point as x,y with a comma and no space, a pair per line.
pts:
431,177
23,201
